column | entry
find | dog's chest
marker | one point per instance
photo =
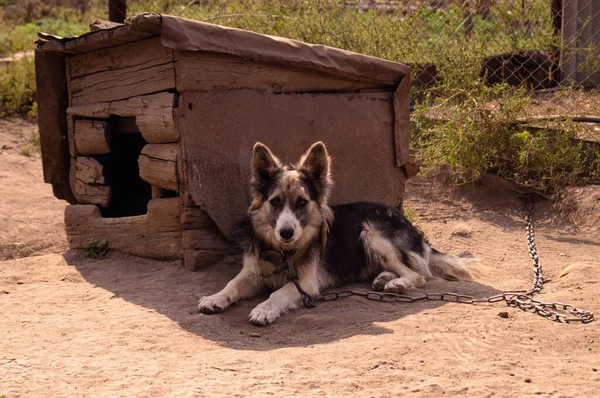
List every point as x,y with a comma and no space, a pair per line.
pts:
271,279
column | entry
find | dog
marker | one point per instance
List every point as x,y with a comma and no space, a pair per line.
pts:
289,215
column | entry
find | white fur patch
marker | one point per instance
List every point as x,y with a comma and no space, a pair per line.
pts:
287,220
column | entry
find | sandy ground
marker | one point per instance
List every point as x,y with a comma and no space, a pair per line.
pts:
127,327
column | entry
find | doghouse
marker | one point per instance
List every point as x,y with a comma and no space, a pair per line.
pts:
147,128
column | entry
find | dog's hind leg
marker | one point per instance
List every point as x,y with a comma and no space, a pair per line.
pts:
382,254
246,284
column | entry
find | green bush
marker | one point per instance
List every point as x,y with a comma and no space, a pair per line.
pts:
17,87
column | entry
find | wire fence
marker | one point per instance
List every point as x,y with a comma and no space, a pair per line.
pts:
478,65
537,44
548,47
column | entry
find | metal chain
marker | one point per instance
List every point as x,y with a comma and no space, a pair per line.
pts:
554,311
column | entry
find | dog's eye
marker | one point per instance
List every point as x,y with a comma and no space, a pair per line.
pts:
275,202
301,203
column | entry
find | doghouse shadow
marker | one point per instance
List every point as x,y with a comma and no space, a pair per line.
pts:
173,291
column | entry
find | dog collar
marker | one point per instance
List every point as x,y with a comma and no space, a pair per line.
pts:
282,260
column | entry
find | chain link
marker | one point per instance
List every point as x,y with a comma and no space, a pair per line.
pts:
554,311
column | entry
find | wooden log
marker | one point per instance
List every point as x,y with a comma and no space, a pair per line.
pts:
203,247
195,217
158,165
89,170
205,71
206,239
83,187
153,113
156,234
121,72
195,260
91,137
52,97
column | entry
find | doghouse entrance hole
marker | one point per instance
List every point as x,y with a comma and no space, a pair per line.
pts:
130,194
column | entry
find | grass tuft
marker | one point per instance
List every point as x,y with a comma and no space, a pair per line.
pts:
96,248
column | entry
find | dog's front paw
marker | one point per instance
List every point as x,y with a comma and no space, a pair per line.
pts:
264,313
213,304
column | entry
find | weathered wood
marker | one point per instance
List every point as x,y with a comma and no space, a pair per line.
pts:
156,234
154,115
137,28
203,247
71,135
149,52
206,239
158,165
402,121
157,127
109,74
195,217
90,193
580,42
205,71
117,10
149,22
89,170
104,38
52,99
100,24
195,260
92,137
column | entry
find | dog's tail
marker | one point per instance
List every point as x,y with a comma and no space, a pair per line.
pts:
451,267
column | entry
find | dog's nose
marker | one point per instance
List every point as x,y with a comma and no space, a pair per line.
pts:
286,233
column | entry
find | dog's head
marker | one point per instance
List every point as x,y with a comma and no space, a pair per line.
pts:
289,206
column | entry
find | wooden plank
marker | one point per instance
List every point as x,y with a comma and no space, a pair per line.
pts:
105,38
89,170
122,83
195,217
205,71
156,234
158,165
153,113
402,121
147,52
203,247
580,42
92,137
52,99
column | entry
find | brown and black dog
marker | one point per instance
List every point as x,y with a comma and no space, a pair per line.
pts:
332,246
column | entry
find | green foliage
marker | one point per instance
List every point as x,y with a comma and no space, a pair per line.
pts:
96,248
17,87
479,129
459,123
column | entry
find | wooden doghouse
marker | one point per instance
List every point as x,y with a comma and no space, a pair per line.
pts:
147,128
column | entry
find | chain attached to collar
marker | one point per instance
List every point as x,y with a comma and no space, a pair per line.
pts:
554,311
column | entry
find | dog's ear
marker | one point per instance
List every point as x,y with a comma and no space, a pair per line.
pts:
264,166
315,164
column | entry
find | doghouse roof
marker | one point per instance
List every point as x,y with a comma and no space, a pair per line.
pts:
188,35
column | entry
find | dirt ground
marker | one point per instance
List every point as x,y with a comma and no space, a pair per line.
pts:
127,327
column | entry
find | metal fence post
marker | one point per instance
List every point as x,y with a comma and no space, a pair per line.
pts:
117,10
